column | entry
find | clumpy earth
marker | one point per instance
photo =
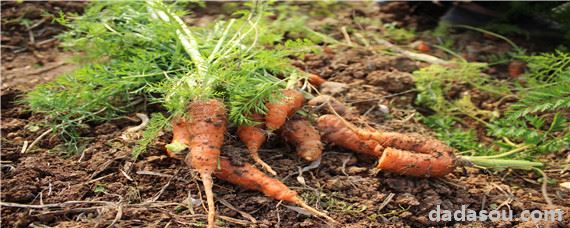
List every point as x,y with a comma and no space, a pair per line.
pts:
109,187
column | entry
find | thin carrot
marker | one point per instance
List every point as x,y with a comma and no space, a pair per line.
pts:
415,164
335,131
277,112
253,137
180,139
316,80
249,177
207,126
304,137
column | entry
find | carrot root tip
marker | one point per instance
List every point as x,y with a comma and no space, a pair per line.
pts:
208,185
315,211
265,166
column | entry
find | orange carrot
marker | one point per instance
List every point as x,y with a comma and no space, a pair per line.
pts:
207,126
253,137
316,80
180,139
414,164
304,137
409,142
249,177
277,112
335,131
414,156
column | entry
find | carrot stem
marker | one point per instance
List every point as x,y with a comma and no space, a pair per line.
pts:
501,163
514,151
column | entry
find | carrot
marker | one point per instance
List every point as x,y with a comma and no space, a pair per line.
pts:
414,156
249,177
414,164
304,137
409,142
335,131
180,138
207,126
316,80
253,137
277,112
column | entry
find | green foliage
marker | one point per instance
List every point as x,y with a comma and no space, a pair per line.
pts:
532,130
548,84
534,124
448,130
536,118
143,50
399,35
124,51
548,98
435,81
548,67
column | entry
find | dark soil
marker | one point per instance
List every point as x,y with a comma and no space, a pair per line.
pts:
156,191
28,40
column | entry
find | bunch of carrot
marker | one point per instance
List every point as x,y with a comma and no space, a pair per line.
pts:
202,130
404,154
203,133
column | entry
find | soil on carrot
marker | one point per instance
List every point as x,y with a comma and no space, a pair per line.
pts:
155,190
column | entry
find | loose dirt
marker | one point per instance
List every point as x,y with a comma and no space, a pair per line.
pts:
156,191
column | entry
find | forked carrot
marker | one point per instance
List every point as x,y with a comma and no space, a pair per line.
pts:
253,137
249,177
335,131
409,142
304,137
412,155
415,164
207,126
277,112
